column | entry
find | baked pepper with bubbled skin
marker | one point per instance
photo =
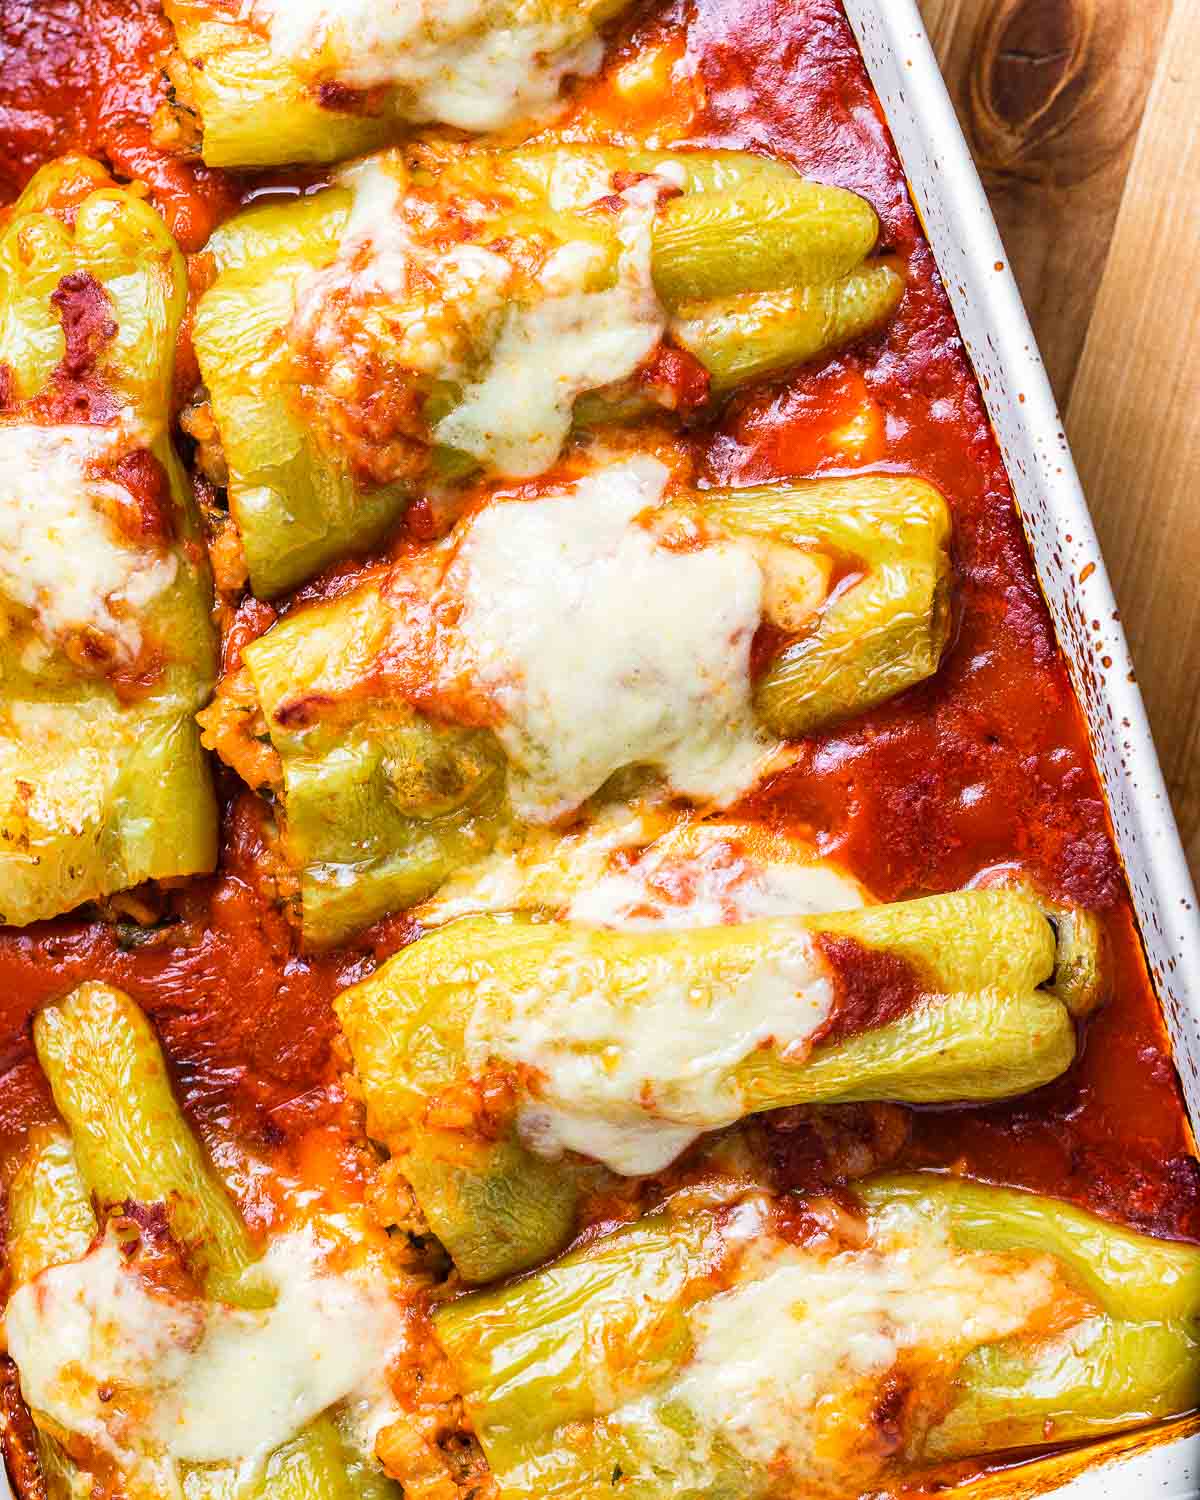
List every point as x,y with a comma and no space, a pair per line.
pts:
274,83
385,789
107,648
493,1045
457,311
943,1320
869,641
122,1150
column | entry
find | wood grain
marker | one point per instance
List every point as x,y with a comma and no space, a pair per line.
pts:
1134,413
1084,117
1051,94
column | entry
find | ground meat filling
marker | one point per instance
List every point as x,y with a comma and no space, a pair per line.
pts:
235,729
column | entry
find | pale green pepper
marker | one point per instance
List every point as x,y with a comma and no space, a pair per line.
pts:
1081,971
599,1373
758,334
873,639
126,1141
1081,979
765,233
50,1213
130,1139
296,505
380,804
263,106
739,231
1134,1359
50,1221
422,1028
102,781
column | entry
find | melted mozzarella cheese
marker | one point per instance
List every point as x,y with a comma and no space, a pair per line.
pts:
61,557
517,417
605,649
477,64
546,868
710,881
449,314
632,1080
772,1355
632,867
198,1382
426,309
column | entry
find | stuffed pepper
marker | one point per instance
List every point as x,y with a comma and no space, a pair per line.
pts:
449,313
496,1055
773,1346
276,81
107,649
555,644
156,1342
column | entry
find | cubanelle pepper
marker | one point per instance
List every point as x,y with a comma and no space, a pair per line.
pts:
108,648
268,90
493,1045
387,784
459,310
716,1351
123,1147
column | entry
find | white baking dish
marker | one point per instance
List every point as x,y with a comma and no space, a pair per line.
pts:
959,224
1164,1465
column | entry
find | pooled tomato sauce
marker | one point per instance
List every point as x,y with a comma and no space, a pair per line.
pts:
988,762
86,75
986,765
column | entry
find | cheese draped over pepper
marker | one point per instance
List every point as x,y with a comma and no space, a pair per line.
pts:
604,648
724,1352
200,1382
276,81
106,643
63,554
583,642
448,310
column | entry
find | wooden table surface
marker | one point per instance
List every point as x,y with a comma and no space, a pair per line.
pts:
1084,117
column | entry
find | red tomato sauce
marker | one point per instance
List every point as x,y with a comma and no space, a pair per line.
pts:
987,764
873,988
86,75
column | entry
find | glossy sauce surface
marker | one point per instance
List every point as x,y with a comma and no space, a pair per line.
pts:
986,765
